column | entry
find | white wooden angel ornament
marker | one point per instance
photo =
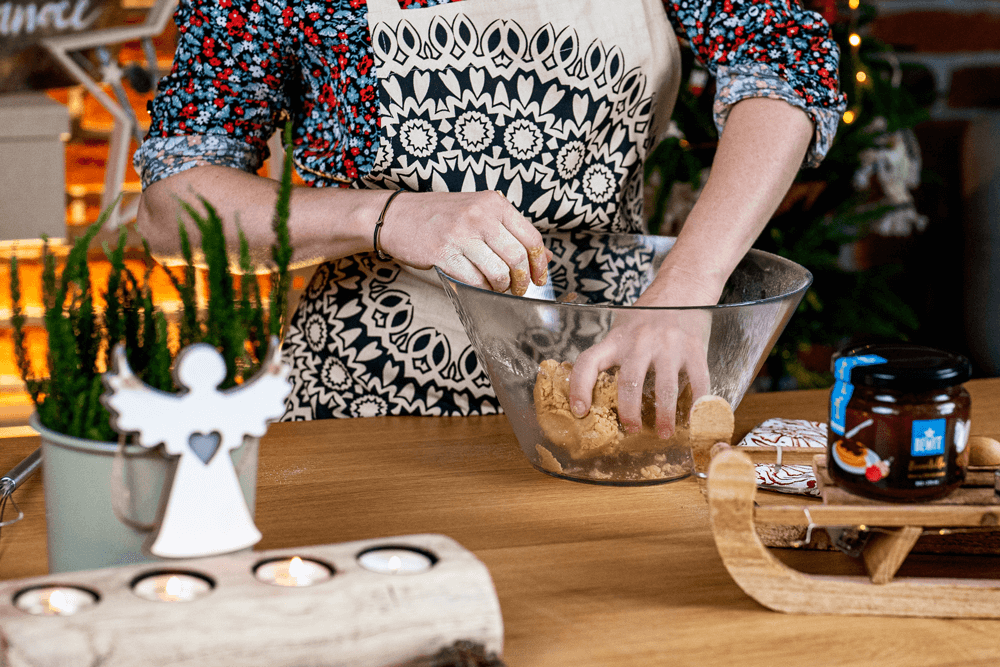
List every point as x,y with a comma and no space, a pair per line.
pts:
205,513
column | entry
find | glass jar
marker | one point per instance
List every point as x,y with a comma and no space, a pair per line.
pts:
899,422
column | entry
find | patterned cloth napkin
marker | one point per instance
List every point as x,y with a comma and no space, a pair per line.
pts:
787,433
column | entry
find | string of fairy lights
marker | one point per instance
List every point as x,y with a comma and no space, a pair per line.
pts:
860,75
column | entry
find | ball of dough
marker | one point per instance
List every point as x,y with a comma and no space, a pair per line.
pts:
599,432
596,433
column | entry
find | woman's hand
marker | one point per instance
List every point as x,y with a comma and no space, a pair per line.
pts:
759,153
476,237
667,342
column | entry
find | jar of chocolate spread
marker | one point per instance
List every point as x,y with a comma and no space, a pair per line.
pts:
899,422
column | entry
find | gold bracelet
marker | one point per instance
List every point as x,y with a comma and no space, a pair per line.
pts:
378,228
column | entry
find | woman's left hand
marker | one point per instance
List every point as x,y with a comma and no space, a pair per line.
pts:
759,154
666,342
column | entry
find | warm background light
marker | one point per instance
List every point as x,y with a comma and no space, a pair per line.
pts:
854,39
861,77
848,117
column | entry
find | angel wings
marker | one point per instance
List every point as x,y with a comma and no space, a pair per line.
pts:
159,417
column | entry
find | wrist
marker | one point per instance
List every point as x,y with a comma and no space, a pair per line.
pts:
682,283
380,223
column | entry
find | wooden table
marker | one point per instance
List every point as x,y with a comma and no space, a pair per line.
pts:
586,575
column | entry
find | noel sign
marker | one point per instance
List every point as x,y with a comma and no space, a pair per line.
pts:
25,21
205,513
24,63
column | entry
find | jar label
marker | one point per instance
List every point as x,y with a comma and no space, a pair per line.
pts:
927,437
895,453
843,389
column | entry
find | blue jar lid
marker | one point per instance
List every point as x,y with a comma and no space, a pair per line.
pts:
908,367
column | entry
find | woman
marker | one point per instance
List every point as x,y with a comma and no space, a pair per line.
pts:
467,129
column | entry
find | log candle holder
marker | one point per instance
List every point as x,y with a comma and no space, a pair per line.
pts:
355,616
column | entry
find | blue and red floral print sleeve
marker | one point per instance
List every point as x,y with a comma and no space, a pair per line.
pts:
766,48
228,85
312,59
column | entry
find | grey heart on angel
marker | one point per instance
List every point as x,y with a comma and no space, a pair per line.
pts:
204,446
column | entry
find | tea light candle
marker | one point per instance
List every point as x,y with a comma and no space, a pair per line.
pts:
294,571
172,587
55,600
395,560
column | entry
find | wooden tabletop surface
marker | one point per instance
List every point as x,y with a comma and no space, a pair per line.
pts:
586,575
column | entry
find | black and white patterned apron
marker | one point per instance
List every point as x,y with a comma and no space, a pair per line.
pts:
553,102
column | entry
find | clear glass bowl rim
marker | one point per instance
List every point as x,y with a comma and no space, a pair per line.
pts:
808,279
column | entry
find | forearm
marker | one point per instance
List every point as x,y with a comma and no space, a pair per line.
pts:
325,223
476,237
758,156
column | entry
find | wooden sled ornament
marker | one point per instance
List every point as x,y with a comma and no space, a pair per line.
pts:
734,515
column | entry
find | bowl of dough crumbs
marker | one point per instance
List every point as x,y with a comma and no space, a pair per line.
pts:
529,343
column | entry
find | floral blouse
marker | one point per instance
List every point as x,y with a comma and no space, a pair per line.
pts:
241,64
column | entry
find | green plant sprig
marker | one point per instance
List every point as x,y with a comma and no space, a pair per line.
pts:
224,329
81,336
281,251
251,308
17,320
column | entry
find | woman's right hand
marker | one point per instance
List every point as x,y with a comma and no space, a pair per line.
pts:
476,237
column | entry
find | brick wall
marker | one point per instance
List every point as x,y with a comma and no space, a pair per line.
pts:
958,41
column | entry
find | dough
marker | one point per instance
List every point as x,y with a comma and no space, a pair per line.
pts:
600,432
547,460
596,433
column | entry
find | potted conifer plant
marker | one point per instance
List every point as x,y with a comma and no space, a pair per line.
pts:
103,494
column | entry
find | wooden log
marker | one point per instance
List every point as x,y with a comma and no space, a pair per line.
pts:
357,617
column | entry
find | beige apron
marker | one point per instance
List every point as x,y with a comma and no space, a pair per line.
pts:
555,103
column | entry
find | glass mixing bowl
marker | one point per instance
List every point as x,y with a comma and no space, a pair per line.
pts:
524,342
